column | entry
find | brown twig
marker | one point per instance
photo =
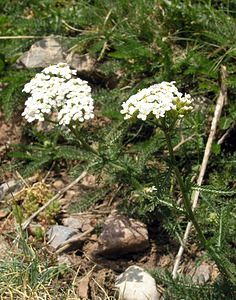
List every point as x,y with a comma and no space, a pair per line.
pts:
56,197
225,135
176,147
48,172
195,195
114,195
80,237
22,179
22,37
181,143
76,29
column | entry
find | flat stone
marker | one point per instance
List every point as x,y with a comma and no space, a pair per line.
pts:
9,187
43,53
69,195
58,235
122,235
82,63
83,287
136,284
202,273
78,221
64,259
4,212
58,184
89,181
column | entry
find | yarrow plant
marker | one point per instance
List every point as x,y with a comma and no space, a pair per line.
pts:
156,101
163,104
56,89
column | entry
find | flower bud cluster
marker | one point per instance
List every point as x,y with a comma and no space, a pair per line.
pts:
149,190
56,89
156,101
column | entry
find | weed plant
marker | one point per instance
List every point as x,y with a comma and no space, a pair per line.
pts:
136,44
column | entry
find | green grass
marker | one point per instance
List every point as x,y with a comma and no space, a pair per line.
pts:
30,274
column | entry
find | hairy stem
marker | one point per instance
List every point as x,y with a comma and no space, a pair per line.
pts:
186,200
224,265
84,144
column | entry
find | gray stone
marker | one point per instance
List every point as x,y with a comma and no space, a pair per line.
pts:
42,54
82,63
201,274
9,187
57,235
136,284
78,221
122,235
64,259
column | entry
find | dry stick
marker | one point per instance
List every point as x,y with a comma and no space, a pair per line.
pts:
225,135
75,238
76,29
56,197
183,142
22,37
195,195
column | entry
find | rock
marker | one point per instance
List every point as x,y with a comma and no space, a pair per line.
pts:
83,287
122,235
57,235
36,230
202,274
89,181
9,187
136,284
58,184
64,259
82,63
4,212
42,54
78,221
69,195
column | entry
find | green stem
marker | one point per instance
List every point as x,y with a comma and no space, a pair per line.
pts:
186,200
84,144
224,265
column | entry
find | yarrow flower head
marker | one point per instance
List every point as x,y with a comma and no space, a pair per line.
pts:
156,101
56,89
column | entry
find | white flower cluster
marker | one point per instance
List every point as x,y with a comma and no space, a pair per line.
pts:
56,89
156,100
